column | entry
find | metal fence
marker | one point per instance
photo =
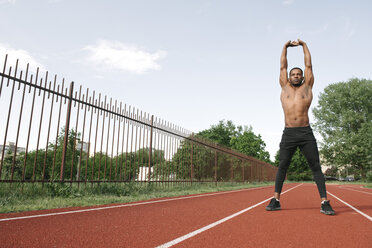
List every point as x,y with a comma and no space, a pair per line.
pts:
50,132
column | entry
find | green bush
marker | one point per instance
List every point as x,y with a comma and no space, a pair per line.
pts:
61,190
302,176
113,189
369,176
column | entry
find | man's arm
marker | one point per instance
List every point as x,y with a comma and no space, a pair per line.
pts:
283,79
309,77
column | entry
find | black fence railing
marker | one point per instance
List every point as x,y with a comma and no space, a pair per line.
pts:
53,133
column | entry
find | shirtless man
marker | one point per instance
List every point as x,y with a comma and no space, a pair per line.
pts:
296,97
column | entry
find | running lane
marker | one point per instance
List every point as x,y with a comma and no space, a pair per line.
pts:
127,225
154,223
298,224
354,195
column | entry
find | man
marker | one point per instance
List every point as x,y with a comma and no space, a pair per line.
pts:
296,97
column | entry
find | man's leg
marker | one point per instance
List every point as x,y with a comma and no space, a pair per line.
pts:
285,155
310,150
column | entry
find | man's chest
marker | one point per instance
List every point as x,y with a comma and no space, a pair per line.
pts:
302,95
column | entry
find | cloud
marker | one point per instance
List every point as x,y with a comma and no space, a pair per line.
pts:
288,2
118,56
23,56
7,1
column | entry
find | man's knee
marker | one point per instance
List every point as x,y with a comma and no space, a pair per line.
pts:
314,164
284,162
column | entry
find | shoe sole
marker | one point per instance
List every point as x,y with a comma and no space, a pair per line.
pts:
327,213
272,209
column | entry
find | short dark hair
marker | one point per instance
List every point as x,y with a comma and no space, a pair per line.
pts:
297,69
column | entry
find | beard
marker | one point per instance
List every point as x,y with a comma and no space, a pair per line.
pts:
297,83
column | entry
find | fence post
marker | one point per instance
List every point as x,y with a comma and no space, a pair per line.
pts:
150,149
215,166
192,151
242,165
232,170
67,127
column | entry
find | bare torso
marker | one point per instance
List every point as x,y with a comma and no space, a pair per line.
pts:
296,102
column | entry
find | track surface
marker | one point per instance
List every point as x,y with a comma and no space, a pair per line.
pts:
224,219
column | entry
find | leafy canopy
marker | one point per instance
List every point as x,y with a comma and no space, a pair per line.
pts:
344,120
239,138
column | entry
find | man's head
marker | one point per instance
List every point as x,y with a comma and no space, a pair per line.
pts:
296,76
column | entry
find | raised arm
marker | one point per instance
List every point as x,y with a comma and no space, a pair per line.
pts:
308,74
283,79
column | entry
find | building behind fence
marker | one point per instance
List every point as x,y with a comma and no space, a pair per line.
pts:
53,132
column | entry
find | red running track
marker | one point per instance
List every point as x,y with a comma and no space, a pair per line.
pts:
224,219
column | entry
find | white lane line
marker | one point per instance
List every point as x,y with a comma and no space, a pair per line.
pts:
353,189
356,190
196,232
353,208
129,205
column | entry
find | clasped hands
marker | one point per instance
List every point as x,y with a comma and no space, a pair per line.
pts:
294,43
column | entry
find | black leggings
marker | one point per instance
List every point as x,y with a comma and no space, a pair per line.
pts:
303,138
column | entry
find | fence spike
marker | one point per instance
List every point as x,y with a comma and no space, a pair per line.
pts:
19,83
54,85
41,82
50,86
2,78
15,73
10,72
86,97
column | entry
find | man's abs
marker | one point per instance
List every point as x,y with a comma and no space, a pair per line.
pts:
296,120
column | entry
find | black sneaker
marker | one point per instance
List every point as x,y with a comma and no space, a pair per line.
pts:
326,208
273,205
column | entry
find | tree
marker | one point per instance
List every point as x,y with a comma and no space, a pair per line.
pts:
73,156
221,133
250,144
42,164
12,168
344,120
239,138
298,169
189,158
200,162
332,172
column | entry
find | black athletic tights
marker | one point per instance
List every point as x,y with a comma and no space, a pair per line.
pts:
303,138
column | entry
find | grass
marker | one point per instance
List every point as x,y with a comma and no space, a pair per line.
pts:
365,184
368,185
27,197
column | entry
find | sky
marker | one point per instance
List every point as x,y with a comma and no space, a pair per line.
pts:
192,63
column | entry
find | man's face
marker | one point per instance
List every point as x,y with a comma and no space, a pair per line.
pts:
296,77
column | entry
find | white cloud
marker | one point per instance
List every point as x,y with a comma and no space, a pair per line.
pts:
7,1
288,2
119,56
23,56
